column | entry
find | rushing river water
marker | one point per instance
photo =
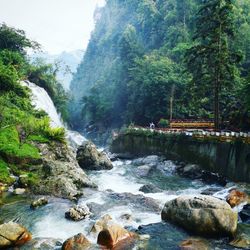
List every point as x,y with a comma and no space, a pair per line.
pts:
118,195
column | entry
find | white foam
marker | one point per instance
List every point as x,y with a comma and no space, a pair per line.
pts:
95,198
137,218
223,193
116,180
162,198
55,225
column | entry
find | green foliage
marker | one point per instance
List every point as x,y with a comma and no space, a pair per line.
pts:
163,123
56,134
143,52
21,126
150,87
38,138
211,60
4,173
15,40
11,146
9,80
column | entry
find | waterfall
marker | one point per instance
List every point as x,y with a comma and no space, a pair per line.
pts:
42,101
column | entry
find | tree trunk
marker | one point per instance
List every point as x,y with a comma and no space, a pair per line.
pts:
216,106
217,86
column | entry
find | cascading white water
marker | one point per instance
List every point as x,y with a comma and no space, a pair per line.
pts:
42,101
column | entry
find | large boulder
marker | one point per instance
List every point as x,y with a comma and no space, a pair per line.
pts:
204,215
77,213
77,242
60,173
89,158
13,234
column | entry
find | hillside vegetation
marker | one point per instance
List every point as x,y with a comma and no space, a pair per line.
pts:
143,53
21,126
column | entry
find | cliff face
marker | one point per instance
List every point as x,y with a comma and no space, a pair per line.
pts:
229,159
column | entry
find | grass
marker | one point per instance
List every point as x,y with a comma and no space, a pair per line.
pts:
11,146
38,138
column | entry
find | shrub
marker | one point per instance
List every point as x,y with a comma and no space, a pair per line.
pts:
4,173
163,123
57,134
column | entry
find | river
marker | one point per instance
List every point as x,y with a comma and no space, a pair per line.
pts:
118,195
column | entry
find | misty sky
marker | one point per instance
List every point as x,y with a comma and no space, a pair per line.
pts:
58,25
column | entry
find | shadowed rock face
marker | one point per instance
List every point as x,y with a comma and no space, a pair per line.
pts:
203,215
89,158
13,234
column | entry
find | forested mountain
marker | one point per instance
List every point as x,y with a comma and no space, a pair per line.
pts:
143,53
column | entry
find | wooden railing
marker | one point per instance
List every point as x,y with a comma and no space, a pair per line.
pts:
191,124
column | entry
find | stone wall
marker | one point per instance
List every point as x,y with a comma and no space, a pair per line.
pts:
231,159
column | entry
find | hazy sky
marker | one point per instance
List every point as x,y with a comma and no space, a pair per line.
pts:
57,25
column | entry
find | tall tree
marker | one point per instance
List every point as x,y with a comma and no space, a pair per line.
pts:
211,60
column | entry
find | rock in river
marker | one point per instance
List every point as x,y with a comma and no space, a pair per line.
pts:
77,242
77,213
101,224
89,158
13,234
38,203
194,244
149,188
236,197
111,235
60,172
204,215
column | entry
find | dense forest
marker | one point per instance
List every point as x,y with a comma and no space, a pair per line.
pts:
145,53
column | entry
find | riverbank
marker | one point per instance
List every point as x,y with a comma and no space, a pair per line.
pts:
228,158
